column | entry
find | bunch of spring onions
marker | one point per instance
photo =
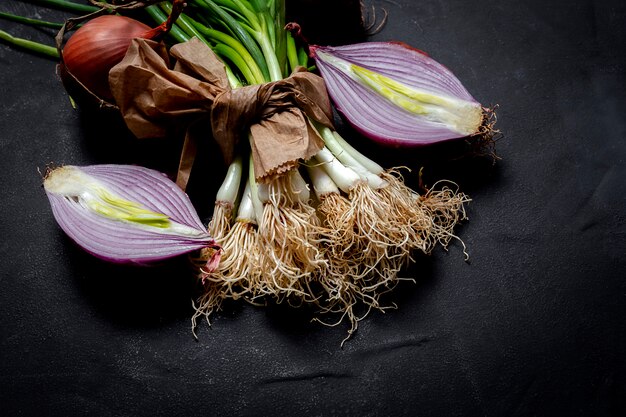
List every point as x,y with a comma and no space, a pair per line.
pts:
335,230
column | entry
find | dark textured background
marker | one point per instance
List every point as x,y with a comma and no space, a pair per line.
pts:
532,325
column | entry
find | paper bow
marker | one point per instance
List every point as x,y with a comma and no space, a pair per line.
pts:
156,100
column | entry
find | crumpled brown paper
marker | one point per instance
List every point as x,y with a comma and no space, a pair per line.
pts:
157,100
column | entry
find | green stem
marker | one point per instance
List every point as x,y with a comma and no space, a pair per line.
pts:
159,17
264,34
239,32
292,52
29,21
232,78
226,3
29,45
281,34
255,75
269,33
181,36
275,70
233,56
250,15
68,6
183,22
303,57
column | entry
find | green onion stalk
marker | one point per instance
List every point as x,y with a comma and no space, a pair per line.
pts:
38,47
27,44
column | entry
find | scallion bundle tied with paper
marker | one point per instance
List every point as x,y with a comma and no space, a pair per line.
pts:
156,99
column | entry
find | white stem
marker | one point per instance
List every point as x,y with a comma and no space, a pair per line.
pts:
299,187
344,177
246,207
331,143
348,160
254,192
230,187
295,186
362,159
322,183
263,191
370,178
373,180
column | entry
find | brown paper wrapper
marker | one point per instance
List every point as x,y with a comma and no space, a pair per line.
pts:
158,99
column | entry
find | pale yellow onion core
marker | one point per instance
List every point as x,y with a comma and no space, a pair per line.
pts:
462,116
94,196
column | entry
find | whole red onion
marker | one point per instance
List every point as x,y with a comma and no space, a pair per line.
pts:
101,43
98,46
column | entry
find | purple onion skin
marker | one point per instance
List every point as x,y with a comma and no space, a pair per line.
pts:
120,241
375,117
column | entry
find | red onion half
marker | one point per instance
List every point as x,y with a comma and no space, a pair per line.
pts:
125,214
398,95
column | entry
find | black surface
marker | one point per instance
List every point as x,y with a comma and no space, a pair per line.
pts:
532,325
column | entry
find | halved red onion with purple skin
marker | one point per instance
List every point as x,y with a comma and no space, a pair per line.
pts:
397,95
125,213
